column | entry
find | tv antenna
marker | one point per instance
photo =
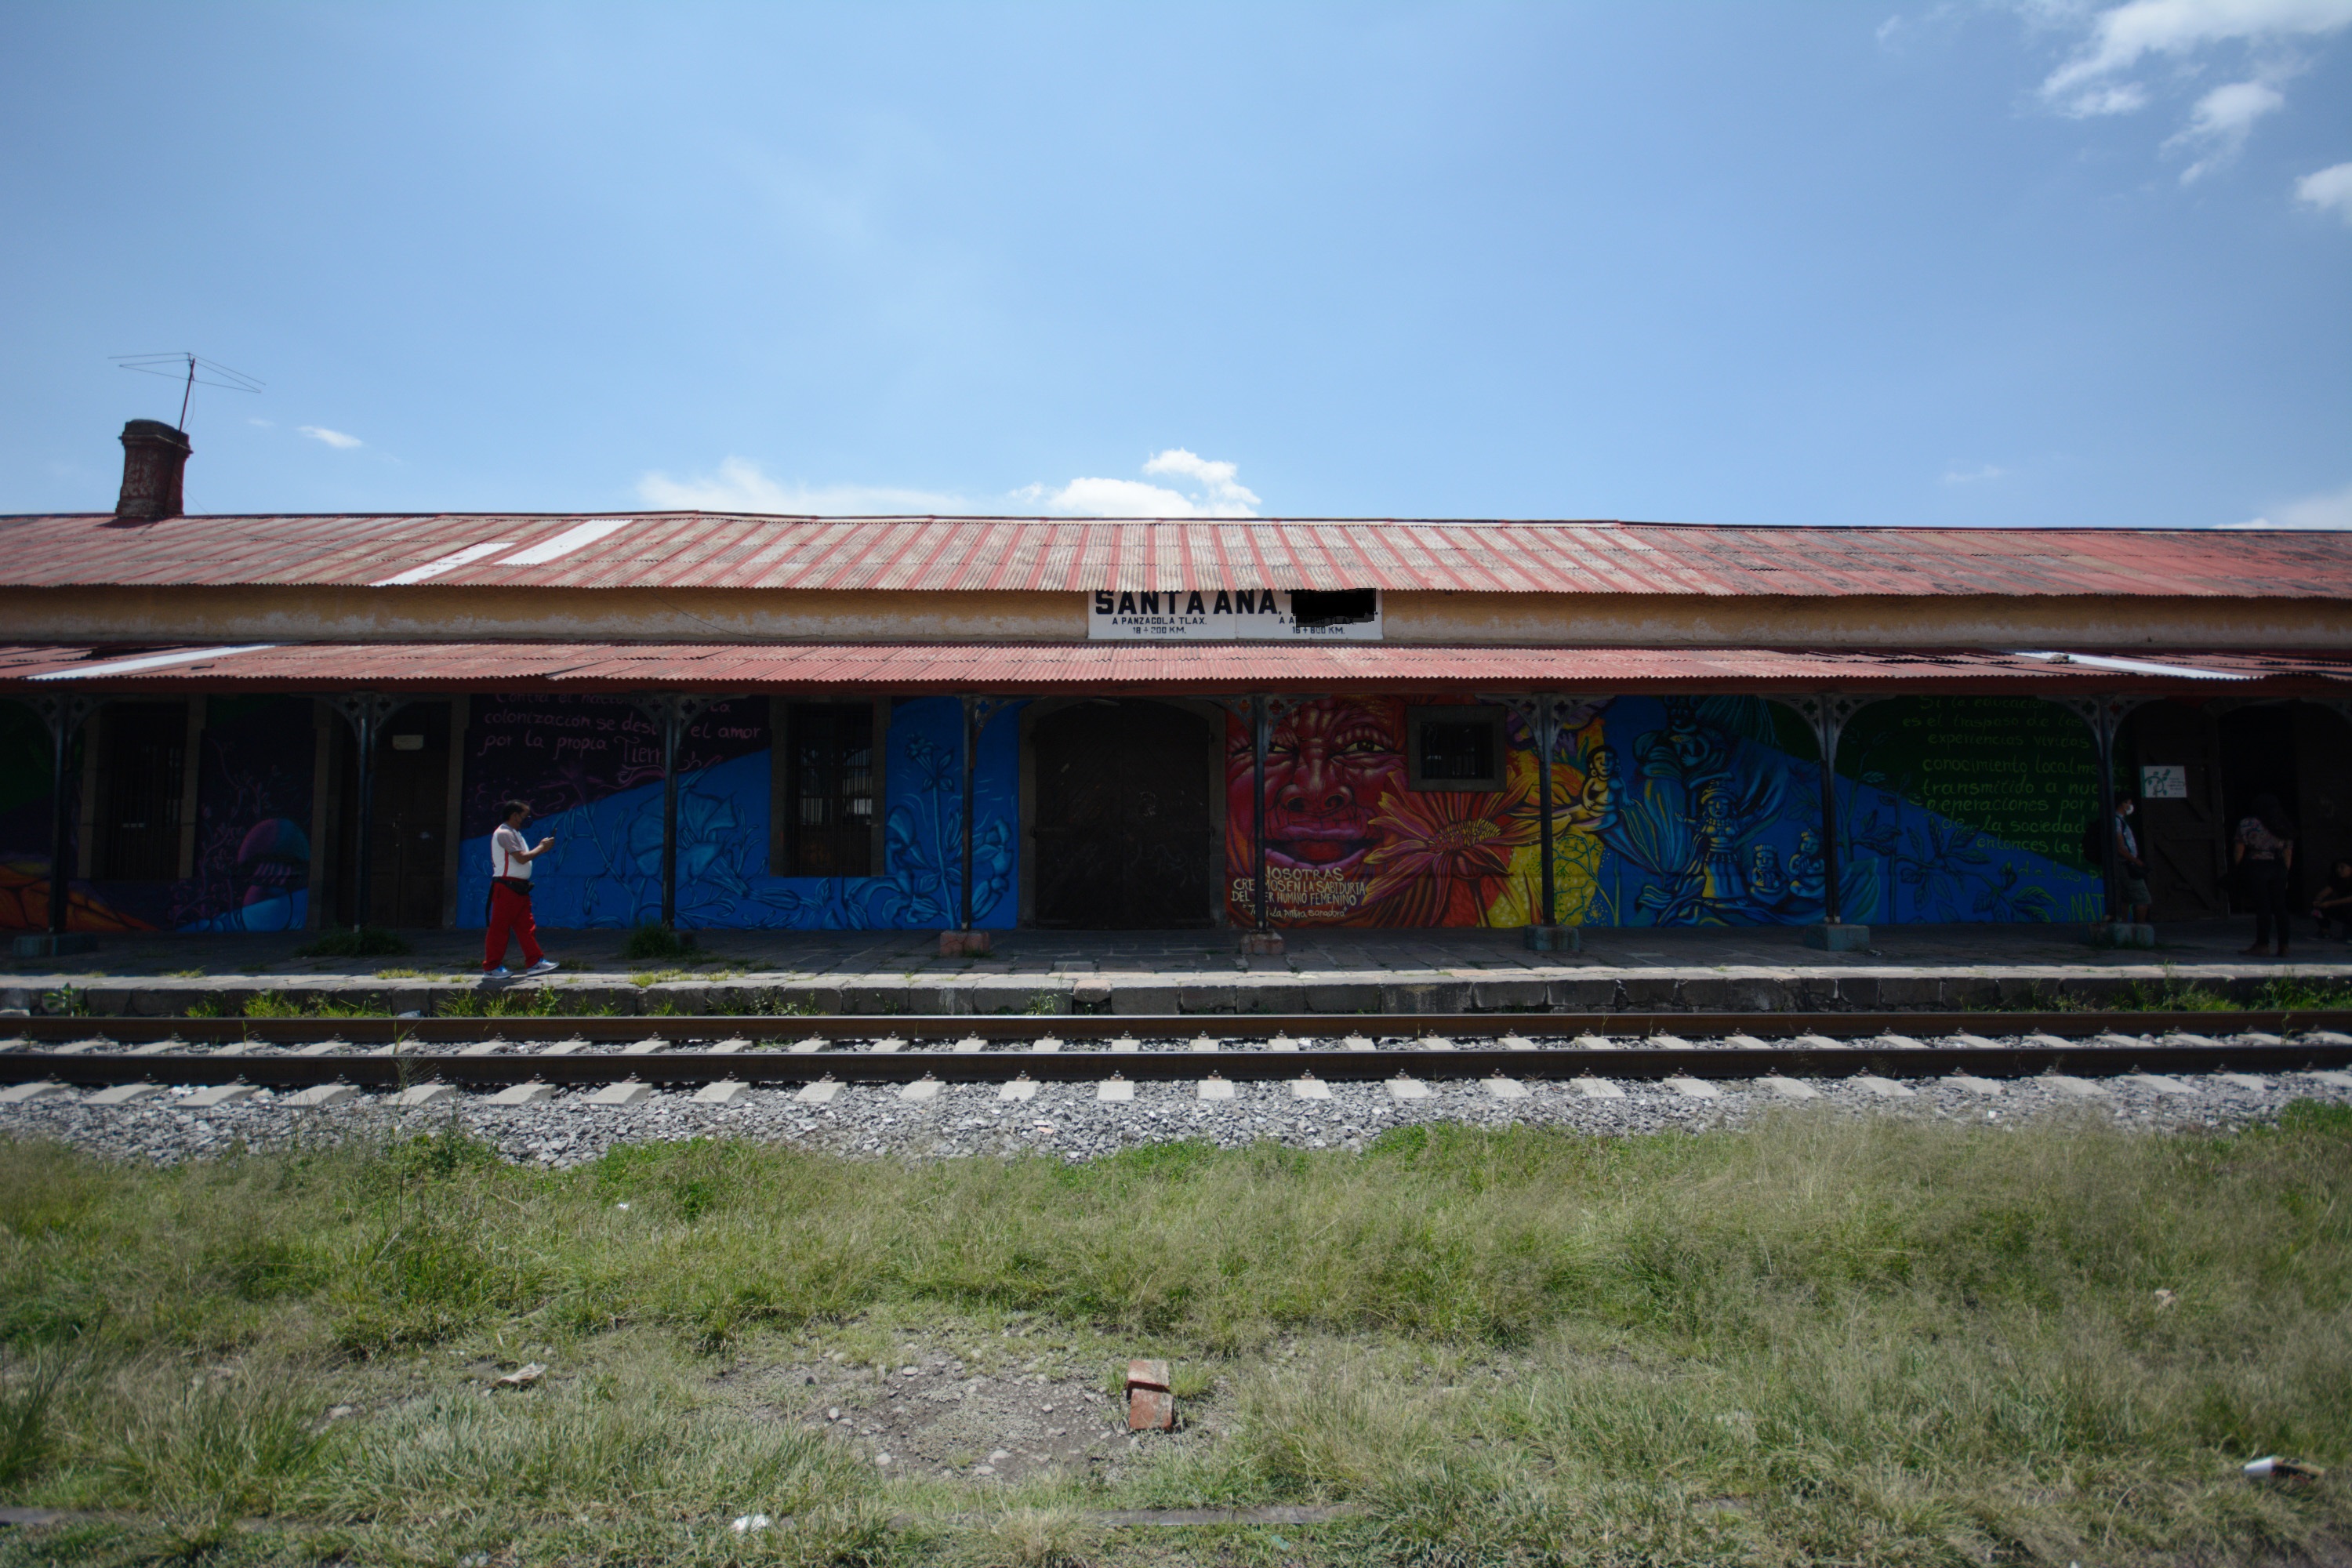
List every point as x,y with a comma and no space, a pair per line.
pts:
195,368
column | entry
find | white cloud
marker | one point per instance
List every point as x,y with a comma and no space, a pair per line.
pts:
2330,190
1209,489
740,485
2328,510
2129,99
335,438
1214,491
1955,475
2125,35
2221,122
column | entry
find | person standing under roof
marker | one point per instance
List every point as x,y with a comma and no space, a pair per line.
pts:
510,860
2130,869
2332,906
2265,849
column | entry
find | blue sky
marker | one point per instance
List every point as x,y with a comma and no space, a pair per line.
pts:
2019,263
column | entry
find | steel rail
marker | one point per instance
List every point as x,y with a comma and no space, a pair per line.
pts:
1001,1026
403,1069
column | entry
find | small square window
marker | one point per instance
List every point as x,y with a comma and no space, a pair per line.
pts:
1455,748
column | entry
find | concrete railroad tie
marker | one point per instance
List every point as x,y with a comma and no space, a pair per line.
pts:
726,1091
1693,1089
218,1094
1216,1089
524,1094
628,1092
920,1090
1309,1089
820,1092
1789,1088
1885,1088
1408,1088
425,1094
1504,1088
1019,1089
1598,1089
1115,1089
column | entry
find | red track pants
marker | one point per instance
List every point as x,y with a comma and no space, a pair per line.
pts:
509,916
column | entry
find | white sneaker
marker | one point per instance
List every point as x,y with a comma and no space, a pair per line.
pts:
501,973
544,966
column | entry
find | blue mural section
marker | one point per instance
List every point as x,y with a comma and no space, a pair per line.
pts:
1703,814
605,868
252,861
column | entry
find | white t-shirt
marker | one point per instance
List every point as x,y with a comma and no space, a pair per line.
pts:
506,849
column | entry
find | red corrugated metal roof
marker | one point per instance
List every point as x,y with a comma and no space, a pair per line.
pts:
1043,668
672,549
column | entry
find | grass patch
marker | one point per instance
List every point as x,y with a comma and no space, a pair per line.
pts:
653,943
2288,992
1832,1339
526,1001
367,941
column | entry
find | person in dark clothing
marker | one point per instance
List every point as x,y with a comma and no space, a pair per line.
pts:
2265,853
2334,904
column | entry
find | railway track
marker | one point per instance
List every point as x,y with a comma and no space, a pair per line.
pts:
384,1054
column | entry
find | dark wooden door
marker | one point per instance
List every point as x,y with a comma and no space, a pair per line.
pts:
2185,842
411,819
1122,817
2323,793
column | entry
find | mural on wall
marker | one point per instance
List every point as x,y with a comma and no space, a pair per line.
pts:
592,769
1673,811
253,807
252,845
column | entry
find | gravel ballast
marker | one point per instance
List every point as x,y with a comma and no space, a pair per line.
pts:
1072,1121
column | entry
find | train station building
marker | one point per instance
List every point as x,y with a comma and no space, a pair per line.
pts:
275,723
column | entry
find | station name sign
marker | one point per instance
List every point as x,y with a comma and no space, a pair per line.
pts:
1231,615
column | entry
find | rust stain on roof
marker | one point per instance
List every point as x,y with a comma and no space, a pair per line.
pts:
709,549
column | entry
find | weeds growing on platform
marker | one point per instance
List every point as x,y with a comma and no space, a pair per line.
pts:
365,942
2288,992
1829,1339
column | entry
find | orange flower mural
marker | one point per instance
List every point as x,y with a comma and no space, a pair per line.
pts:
1445,855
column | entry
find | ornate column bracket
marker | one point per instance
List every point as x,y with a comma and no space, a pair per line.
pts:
367,712
2106,715
1829,713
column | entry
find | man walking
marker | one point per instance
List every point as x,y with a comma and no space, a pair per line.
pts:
510,860
2130,869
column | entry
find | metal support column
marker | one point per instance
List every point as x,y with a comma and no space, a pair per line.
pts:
977,712
1542,715
64,717
671,712
1829,714
1261,737
2106,717
1260,712
367,712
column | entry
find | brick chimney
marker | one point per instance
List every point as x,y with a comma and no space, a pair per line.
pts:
153,455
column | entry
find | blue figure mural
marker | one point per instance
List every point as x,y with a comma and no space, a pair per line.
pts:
605,870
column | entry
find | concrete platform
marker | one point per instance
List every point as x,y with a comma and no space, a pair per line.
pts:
1762,969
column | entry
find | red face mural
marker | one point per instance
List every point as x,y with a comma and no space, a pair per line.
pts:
1347,841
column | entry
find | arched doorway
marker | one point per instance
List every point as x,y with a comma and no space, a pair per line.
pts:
1122,827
